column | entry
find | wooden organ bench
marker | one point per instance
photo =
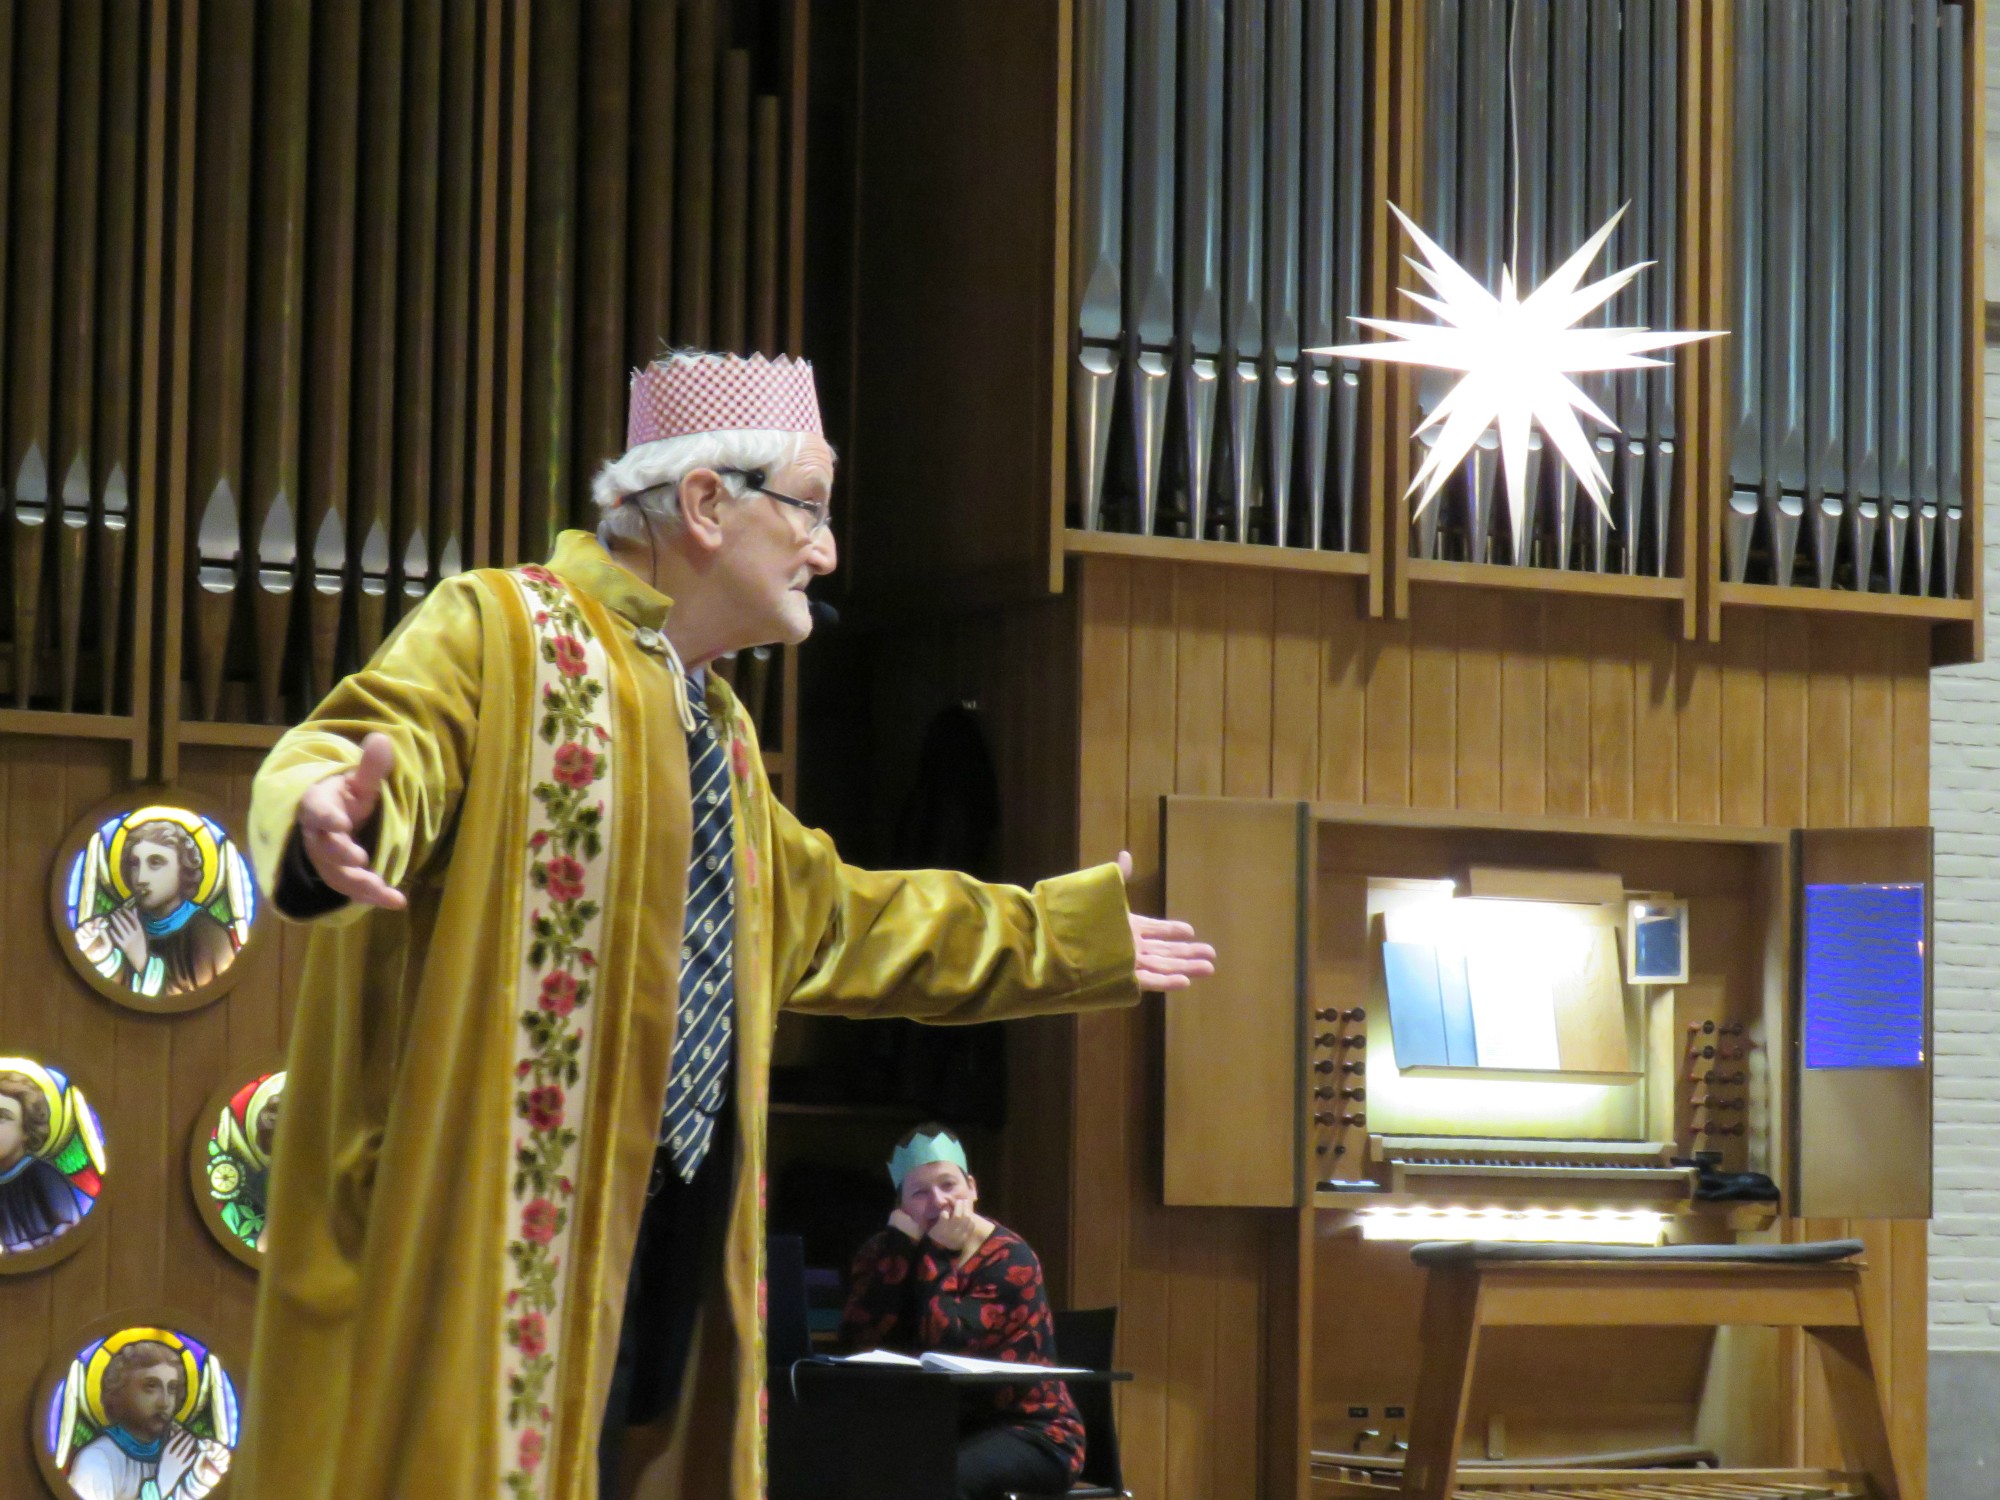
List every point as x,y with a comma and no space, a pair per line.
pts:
1477,1285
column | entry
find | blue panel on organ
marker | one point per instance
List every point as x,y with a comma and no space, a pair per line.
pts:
1864,976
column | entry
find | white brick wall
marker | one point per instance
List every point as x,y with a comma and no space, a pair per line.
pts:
1965,807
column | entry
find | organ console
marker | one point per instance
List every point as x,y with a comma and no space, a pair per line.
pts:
1389,1056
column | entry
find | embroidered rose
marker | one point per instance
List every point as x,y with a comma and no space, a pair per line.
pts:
739,758
570,660
531,1448
565,877
559,992
531,1334
537,839
540,574
545,1107
576,765
538,1221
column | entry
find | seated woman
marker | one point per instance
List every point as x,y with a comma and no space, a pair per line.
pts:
945,1277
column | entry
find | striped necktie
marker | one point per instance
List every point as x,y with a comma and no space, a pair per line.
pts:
708,979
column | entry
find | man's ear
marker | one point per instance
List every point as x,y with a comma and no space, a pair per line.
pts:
700,495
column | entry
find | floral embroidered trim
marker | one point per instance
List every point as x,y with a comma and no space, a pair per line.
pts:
569,778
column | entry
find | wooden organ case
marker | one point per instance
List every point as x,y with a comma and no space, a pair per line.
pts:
1387,697
1290,1088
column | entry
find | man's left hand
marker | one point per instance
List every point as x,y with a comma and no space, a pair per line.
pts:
1167,955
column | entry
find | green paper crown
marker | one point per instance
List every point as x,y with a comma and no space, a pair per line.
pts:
921,1151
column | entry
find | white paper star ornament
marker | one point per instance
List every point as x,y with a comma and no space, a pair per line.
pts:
1515,357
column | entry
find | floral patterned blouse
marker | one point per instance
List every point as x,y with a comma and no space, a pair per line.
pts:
908,1297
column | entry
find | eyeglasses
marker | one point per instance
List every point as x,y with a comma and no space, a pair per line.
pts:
753,480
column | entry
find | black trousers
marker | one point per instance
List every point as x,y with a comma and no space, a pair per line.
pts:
998,1461
677,1258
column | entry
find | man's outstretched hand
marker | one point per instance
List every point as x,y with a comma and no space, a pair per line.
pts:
1168,957
332,814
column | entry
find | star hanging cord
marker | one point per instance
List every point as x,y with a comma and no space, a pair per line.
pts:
1515,357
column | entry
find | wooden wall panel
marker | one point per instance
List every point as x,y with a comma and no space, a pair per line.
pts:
1433,727
1479,760
150,1077
1345,753
1524,686
1566,632
1593,707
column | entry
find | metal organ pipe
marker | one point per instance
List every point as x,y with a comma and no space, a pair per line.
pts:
1319,151
1951,293
1784,282
1569,113
1441,109
1482,185
1243,246
1283,95
1922,353
1097,240
1746,454
1601,162
1348,284
1149,242
1198,244
1635,239
1864,282
1530,84
1826,300
1896,208
1664,277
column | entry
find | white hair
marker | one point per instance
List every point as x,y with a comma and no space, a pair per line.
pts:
643,483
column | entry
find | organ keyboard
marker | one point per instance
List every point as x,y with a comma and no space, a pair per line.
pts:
1437,1166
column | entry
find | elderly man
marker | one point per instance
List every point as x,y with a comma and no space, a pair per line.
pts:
517,1201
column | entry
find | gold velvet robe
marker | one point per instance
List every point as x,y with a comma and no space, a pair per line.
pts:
386,1345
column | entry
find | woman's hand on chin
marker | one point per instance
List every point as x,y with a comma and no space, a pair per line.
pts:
959,1229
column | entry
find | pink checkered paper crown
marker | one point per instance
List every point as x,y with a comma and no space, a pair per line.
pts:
685,394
